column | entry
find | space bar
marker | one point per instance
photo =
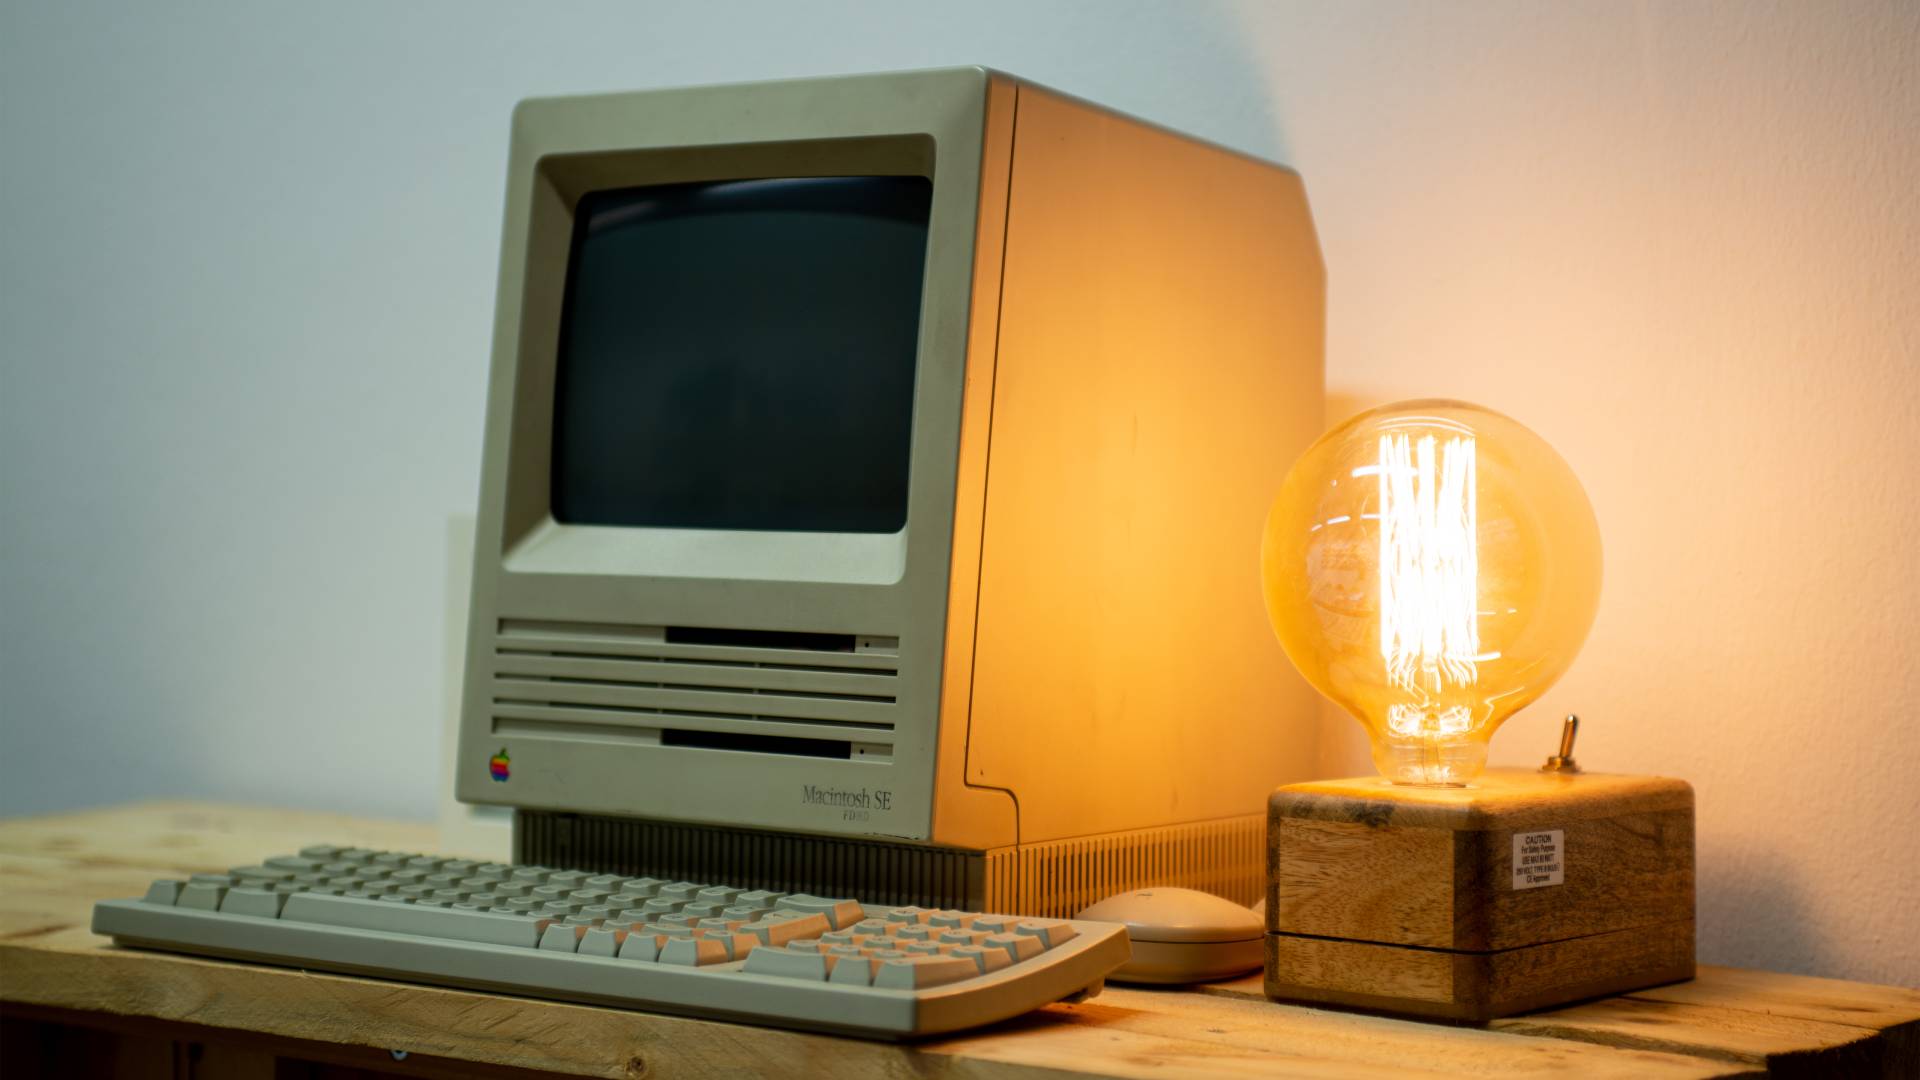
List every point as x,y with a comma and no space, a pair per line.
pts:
482,927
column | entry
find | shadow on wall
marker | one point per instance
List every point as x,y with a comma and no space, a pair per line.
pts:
1740,900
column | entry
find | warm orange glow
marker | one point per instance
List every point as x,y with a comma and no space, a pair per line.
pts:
1432,567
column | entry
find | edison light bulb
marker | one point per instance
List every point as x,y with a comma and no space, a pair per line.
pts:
1431,566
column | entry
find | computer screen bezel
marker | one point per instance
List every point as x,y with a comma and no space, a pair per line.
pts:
884,587
546,545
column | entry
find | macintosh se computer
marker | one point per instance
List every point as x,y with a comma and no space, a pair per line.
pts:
870,507
873,481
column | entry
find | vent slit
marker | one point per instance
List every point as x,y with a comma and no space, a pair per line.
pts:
579,680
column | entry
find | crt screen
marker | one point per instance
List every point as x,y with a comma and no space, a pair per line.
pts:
741,355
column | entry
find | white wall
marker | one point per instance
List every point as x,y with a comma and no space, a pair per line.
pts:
246,281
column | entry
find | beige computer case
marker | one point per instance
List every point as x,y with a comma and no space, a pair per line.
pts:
1077,691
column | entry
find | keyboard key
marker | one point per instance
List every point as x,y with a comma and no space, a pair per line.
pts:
683,891
600,941
920,972
739,946
1050,932
566,879
163,892
608,882
851,971
773,931
202,896
757,898
987,959
694,952
261,873
644,948
907,914
1018,947
295,863
321,852
838,912
452,923
559,938
785,964
244,900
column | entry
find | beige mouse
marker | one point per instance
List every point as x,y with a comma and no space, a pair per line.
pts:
1182,935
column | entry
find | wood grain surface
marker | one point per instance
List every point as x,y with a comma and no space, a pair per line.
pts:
1431,867
241,1017
1387,896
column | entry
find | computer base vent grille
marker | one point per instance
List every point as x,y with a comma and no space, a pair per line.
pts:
875,871
1226,857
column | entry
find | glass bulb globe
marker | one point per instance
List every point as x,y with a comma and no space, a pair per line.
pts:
1431,566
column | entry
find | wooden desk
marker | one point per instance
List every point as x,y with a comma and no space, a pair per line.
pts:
72,1004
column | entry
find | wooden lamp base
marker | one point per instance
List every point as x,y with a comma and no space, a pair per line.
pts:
1524,890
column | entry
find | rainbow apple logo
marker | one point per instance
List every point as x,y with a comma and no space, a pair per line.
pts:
499,765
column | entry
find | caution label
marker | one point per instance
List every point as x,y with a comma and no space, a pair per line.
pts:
1539,858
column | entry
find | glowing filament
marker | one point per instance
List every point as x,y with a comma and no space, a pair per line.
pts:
1412,720
1429,565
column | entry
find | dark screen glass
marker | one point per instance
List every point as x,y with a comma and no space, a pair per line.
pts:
741,355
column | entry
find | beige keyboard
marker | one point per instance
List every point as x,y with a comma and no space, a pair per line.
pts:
756,956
